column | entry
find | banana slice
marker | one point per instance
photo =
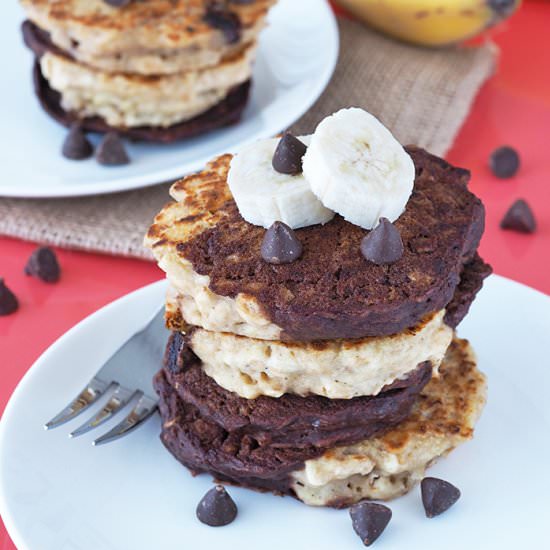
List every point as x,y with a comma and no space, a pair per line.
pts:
264,196
357,168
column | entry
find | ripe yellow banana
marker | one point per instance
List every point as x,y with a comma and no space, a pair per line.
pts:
431,22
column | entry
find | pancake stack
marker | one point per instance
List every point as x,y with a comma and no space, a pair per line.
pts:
160,70
329,378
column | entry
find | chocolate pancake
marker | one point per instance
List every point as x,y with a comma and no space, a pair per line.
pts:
225,113
331,291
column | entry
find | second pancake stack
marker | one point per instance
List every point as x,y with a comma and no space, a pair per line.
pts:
157,70
329,378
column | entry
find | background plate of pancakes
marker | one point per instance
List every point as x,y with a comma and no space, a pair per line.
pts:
57,493
296,57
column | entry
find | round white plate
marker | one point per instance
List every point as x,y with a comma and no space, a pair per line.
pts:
61,494
296,58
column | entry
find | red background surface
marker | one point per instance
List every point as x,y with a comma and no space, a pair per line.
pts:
513,108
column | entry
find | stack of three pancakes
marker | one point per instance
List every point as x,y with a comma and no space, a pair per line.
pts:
331,378
159,70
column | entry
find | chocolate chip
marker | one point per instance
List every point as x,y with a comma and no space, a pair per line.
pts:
117,3
111,151
287,158
219,17
8,300
383,245
280,245
369,520
216,508
504,162
43,264
437,495
76,146
519,217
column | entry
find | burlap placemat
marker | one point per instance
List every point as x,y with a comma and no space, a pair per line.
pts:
422,95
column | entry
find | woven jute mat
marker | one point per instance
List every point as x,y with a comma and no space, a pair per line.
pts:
422,95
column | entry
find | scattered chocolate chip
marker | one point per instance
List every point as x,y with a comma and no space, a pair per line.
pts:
76,146
519,217
383,245
111,151
117,3
280,244
216,508
43,264
504,162
369,520
287,158
8,300
437,495
219,17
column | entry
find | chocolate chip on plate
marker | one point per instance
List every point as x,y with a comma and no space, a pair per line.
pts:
43,264
219,17
76,145
8,300
504,162
287,158
519,217
111,151
280,244
369,520
437,495
117,3
216,508
383,245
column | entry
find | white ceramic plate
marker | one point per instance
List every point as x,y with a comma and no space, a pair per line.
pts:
61,494
296,58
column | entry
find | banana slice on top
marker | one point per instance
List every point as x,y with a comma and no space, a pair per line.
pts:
357,168
264,196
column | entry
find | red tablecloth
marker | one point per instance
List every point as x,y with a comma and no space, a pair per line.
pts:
513,108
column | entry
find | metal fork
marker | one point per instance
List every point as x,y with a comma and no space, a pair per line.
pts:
126,378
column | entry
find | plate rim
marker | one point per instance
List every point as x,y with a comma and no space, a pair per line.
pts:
142,181
7,516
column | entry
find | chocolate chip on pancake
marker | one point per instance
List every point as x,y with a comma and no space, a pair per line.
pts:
280,245
369,520
43,265
117,3
438,495
519,217
219,17
291,420
8,301
111,151
225,113
216,508
287,158
382,245
76,145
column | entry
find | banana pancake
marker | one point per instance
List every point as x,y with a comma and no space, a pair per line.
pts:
221,283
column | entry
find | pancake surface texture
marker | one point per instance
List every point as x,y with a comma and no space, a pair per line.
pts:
338,369
150,38
212,259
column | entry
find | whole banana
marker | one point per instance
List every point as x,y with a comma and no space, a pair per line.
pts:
431,22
